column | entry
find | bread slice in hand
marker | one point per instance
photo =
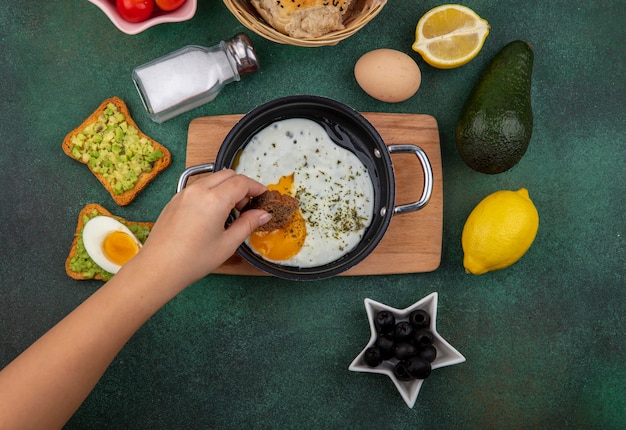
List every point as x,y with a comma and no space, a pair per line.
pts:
303,18
78,264
281,206
123,158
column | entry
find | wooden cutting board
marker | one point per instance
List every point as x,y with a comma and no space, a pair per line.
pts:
412,242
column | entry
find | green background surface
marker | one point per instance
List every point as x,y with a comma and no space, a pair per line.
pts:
544,339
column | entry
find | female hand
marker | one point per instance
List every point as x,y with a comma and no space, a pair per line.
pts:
45,384
189,239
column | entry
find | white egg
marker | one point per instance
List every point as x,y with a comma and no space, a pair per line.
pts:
109,243
333,186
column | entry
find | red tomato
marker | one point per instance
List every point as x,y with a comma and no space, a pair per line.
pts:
169,4
135,10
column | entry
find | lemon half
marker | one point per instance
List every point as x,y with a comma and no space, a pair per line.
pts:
499,231
450,36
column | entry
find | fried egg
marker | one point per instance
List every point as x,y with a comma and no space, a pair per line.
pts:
281,244
109,243
297,156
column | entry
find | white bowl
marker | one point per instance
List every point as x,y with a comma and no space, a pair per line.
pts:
183,13
446,354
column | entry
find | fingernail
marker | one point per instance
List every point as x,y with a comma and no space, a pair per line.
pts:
265,218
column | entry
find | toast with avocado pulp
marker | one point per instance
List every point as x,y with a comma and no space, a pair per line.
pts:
123,158
78,264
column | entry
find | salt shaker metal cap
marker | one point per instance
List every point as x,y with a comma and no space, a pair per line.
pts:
242,51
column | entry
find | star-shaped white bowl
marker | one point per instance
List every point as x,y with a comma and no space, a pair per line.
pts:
446,354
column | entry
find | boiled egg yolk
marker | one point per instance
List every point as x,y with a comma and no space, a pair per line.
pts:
109,243
119,247
281,244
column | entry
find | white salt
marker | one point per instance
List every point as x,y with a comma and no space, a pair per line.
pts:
180,78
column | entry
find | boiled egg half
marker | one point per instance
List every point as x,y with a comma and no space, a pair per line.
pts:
109,243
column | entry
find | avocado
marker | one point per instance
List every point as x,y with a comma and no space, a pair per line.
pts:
114,149
496,122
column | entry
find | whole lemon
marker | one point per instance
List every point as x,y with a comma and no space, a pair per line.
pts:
499,231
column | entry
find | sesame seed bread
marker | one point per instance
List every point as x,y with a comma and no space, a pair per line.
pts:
88,212
303,18
144,178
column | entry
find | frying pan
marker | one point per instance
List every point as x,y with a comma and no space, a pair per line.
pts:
348,129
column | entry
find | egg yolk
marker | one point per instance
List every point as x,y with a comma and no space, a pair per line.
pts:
284,185
281,244
119,247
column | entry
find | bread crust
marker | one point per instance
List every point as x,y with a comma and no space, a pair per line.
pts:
303,18
159,165
89,208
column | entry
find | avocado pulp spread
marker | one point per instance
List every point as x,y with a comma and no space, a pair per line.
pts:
83,264
114,149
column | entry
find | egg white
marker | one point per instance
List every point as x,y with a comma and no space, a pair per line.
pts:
331,183
94,233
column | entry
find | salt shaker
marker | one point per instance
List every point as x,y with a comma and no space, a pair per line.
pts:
192,76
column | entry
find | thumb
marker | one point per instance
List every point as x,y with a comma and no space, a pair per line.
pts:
246,223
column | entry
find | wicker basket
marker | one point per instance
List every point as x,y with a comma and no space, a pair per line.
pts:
359,14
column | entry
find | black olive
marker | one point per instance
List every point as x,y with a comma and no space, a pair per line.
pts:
418,368
403,331
423,337
385,322
403,350
401,371
410,342
372,356
428,353
419,318
385,344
